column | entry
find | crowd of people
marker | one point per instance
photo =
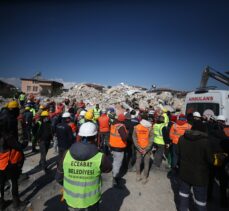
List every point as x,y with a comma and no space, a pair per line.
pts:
97,140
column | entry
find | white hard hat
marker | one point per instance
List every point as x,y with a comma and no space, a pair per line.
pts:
82,113
221,118
104,111
66,115
87,129
196,114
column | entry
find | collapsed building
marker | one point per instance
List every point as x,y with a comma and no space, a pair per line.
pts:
133,97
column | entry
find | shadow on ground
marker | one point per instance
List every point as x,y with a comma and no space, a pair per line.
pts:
113,198
55,204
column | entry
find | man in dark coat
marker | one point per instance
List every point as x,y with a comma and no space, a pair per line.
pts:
195,158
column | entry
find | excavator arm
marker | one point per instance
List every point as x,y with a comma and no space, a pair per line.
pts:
210,72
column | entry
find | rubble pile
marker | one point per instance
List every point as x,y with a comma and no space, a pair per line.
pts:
125,95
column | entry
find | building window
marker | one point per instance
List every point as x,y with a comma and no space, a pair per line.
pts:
35,88
28,88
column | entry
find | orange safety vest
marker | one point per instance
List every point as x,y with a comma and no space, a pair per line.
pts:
142,136
177,131
115,138
73,126
12,156
226,131
104,124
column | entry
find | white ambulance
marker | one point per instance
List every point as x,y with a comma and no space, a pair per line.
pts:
208,103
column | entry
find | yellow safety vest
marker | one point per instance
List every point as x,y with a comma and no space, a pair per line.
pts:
158,137
82,181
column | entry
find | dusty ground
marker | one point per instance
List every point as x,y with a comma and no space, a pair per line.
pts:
43,193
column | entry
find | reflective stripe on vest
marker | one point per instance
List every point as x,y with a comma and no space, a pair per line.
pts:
12,156
157,130
82,181
115,138
179,131
142,136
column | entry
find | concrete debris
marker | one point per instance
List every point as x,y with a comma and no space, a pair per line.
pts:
121,97
131,97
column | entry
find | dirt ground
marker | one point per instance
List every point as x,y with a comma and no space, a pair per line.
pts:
43,193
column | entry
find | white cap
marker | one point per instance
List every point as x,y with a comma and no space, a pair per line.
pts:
196,114
82,113
66,115
221,118
87,129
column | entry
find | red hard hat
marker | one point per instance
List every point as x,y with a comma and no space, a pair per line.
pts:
121,117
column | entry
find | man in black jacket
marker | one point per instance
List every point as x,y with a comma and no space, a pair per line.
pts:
195,158
65,138
44,137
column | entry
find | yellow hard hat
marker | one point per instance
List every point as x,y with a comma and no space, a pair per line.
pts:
44,113
13,104
89,115
90,110
165,110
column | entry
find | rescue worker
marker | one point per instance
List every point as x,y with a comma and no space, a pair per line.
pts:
96,112
81,118
22,99
83,165
131,152
195,158
65,138
11,153
44,137
104,131
143,141
160,143
117,142
219,142
165,115
55,121
177,130
28,118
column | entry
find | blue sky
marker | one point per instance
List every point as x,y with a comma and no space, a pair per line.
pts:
167,43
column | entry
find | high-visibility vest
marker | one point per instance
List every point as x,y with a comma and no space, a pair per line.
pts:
21,97
73,126
177,131
10,156
142,135
33,111
96,113
82,181
115,138
226,131
157,130
104,123
166,119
